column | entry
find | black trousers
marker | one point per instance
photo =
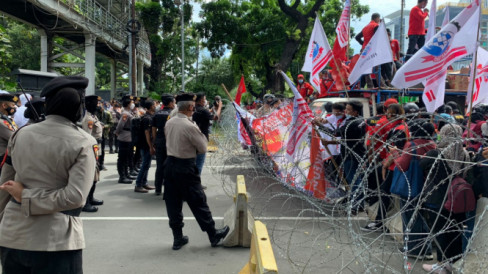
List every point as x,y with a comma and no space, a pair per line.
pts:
414,42
160,159
124,158
182,183
16,261
101,159
112,139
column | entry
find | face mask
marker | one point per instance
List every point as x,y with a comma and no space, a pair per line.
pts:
300,81
339,116
11,110
348,116
132,106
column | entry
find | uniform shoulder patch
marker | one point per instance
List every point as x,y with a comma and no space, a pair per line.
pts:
96,150
90,124
124,117
8,125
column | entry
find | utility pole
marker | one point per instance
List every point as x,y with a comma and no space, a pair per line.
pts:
180,4
132,44
402,26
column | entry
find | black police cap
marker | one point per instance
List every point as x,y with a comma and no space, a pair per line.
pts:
93,98
166,96
7,97
185,97
76,82
127,97
37,104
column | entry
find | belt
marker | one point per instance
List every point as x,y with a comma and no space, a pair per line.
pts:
180,160
72,212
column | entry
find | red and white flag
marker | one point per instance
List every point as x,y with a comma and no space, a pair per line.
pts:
434,91
446,16
432,17
376,52
240,90
242,134
318,54
480,95
342,29
454,41
301,125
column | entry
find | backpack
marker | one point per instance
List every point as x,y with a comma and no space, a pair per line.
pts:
460,197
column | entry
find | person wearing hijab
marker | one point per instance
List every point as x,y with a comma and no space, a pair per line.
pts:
19,118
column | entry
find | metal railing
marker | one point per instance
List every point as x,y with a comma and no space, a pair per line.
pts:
109,23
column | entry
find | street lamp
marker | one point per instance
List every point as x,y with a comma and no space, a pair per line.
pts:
178,3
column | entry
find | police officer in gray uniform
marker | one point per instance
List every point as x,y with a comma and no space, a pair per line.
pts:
7,126
46,181
92,125
126,148
181,177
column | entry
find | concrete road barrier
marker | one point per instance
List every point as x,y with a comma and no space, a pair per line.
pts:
261,258
239,218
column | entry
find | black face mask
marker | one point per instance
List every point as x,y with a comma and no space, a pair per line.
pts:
11,110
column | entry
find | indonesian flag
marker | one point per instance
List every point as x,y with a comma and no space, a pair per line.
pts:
480,95
454,41
318,53
342,29
242,134
240,90
446,16
376,52
434,91
301,125
432,19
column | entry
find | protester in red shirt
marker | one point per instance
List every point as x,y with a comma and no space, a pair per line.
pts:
304,88
367,33
395,49
416,27
327,87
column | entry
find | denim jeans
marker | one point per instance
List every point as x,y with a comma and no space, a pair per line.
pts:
146,163
468,232
200,161
351,166
417,243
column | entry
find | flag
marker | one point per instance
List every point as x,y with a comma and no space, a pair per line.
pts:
376,52
432,19
301,122
342,29
446,16
454,41
480,95
240,90
316,183
434,91
242,129
318,53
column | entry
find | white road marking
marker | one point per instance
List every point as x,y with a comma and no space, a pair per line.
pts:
221,218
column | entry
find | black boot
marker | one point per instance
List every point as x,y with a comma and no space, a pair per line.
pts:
89,208
92,200
216,235
124,179
179,240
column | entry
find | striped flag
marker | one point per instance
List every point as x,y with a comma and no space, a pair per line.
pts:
318,54
432,19
301,125
480,94
342,29
242,134
454,41
434,91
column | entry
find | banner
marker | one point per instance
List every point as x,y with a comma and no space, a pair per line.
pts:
318,54
376,52
342,29
434,91
454,41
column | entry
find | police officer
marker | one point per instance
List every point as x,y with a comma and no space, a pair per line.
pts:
181,178
7,125
94,127
159,121
105,118
123,133
53,164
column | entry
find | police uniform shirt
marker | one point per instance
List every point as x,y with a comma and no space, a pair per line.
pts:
55,161
183,138
159,121
92,126
123,130
7,128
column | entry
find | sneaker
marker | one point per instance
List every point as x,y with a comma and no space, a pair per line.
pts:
373,226
438,268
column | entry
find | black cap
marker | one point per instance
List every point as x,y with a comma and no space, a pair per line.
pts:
38,105
127,98
76,82
185,97
166,96
93,98
7,97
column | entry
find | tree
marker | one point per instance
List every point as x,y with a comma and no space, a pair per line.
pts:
266,36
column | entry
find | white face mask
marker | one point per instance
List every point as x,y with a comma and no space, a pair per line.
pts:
132,106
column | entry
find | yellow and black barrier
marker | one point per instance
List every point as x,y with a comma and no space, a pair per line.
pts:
261,259
239,218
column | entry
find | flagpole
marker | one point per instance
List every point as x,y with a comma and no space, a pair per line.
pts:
474,72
